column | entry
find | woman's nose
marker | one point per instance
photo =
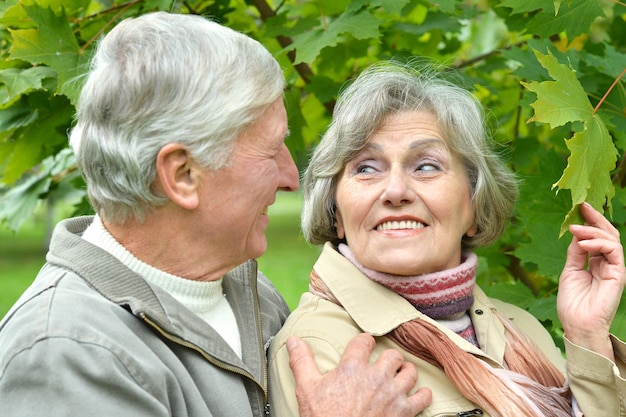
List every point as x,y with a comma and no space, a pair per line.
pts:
398,189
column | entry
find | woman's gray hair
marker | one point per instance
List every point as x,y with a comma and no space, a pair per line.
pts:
165,78
388,88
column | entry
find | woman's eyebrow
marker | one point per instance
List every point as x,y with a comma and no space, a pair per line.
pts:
423,143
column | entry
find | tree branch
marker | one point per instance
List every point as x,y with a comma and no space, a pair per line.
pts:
266,13
304,71
519,273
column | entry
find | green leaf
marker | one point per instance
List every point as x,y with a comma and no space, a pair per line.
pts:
593,157
523,6
43,135
18,115
544,309
560,101
573,17
592,153
514,293
612,62
446,6
362,25
396,6
550,18
540,213
436,21
18,81
18,203
332,7
52,44
6,5
619,322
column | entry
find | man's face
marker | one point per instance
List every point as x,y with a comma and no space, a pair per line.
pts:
235,199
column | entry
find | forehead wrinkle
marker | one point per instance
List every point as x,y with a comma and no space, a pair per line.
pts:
422,143
372,146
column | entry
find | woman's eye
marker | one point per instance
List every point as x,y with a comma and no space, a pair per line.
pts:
428,166
364,169
366,166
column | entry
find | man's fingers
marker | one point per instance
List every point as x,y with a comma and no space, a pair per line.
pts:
358,350
406,377
301,359
421,399
356,386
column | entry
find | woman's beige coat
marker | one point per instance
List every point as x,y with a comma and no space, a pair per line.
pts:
369,307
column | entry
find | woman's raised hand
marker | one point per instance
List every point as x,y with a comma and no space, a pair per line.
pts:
592,282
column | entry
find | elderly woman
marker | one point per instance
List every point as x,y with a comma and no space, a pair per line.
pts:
400,189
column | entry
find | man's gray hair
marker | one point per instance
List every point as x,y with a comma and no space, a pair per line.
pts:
165,78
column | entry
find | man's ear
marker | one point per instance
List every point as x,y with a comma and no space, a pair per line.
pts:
178,176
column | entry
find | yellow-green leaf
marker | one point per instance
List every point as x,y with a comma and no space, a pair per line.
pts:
592,152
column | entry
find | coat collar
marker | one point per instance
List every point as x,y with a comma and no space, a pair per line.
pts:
378,310
122,286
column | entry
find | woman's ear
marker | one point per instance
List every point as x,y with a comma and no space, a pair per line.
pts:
341,232
471,232
178,175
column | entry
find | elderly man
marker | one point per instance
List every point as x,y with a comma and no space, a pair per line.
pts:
154,306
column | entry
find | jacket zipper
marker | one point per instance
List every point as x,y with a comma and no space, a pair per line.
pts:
212,360
261,343
253,285
226,367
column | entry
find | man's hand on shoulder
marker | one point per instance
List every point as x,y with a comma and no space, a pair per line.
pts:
356,387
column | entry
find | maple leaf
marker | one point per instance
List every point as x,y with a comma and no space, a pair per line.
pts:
308,45
52,43
573,17
592,152
19,81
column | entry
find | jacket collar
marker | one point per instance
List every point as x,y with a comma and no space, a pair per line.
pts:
117,283
378,310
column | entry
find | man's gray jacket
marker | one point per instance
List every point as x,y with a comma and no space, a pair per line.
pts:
92,338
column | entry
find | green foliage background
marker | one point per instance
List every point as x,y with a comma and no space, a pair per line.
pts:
550,73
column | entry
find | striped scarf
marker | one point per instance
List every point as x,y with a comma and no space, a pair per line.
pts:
445,296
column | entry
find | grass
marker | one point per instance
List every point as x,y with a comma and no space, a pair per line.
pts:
288,259
287,262
21,256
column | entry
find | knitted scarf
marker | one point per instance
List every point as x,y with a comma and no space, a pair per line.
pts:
445,296
529,385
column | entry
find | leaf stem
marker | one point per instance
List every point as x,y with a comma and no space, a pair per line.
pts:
305,71
109,23
609,91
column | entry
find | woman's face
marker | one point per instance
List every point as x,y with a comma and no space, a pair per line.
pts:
403,203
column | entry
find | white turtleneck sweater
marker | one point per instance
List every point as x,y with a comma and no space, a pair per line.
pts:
204,298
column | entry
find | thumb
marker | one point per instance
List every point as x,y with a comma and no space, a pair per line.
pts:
301,359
